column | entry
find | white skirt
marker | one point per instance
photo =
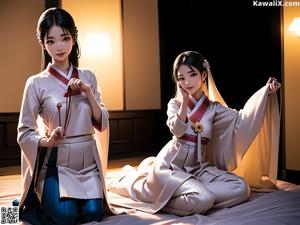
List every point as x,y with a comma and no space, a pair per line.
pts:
78,175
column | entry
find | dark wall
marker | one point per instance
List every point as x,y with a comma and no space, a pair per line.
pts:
241,42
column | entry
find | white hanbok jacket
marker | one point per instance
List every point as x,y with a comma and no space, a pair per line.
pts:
39,116
244,141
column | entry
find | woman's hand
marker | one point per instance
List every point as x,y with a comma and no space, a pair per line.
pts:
55,138
182,112
76,84
185,95
274,85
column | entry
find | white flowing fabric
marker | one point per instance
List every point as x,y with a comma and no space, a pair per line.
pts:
258,167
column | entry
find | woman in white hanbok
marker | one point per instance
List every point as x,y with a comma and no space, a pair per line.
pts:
193,172
62,165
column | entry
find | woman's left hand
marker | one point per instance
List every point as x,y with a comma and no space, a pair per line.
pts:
274,85
76,84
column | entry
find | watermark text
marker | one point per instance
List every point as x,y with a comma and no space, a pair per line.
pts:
276,3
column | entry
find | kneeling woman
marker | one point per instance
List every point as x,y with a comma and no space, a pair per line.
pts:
63,176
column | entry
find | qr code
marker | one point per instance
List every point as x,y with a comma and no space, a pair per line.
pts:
9,215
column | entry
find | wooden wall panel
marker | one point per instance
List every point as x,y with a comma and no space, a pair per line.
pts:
132,133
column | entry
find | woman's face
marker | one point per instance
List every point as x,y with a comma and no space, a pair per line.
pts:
190,79
58,44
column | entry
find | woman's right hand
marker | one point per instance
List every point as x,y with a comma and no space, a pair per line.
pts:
55,138
185,95
182,112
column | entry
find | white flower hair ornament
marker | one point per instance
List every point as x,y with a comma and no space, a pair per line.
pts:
205,65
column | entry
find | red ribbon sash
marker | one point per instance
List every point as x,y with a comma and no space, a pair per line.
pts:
193,138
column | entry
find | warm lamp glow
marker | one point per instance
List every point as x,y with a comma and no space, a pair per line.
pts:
97,44
295,26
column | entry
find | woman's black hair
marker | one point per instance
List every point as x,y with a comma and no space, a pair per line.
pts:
189,58
58,17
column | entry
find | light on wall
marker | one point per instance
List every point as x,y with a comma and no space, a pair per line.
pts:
97,44
100,37
295,26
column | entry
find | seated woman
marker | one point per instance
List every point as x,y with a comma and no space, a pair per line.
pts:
192,173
